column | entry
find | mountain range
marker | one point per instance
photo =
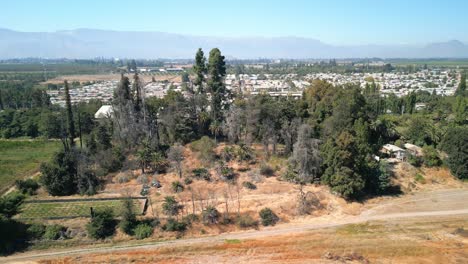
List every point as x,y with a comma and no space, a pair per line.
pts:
92,43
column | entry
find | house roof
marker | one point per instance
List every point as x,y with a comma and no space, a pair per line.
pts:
392,148
104,111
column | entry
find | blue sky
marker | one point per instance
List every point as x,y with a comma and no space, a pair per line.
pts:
332,21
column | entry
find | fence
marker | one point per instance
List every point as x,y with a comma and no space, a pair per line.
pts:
73,208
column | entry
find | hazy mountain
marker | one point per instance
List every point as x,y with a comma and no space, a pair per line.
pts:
91,43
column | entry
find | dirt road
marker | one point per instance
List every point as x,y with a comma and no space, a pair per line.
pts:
423,205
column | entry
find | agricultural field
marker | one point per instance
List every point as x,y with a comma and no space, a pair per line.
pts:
21,159
57,209
146,77
57,68
462,63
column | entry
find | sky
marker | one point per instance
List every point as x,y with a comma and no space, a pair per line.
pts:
339,22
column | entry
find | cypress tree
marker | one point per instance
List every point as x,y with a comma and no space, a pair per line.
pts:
200,70
70,121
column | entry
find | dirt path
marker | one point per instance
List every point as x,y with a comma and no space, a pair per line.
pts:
433,204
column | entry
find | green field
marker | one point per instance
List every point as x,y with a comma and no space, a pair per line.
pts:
71,209
462,63
21,158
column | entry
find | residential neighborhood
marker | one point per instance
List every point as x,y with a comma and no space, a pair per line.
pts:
440,82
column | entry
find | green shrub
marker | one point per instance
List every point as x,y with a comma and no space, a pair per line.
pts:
399,143
269,218
228,153
246,221
189,219
188,181
102,224
28,186
177,187
290,175
419,178
173,225
431,158
266,170
201,173
204,146
244,153
143,230
210,215
226,173
128,222
455,143
10,203
54,232
36,231
249,185
414,160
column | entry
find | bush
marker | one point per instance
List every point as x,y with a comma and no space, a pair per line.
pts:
290,175
143,230
171,206
143,179
244,153
266,170
414,160
201,173
122,178
28,186
249,185
204,147
255,176
173,225
455,143
225,173
431,158
102,224
177,187
399,143
189,219
210,215
419,178
36,231
54,232
188,181
10,203
269,218
228,153
129,220
246,221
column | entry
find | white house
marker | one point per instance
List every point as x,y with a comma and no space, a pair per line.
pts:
394,151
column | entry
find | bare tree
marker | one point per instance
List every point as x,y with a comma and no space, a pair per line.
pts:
238,188
176,156
306,158
234,124
289,133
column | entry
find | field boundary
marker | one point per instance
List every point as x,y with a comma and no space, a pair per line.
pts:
65,201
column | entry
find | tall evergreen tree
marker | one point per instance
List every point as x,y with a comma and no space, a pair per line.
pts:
200,70
216,73
461,86
70,121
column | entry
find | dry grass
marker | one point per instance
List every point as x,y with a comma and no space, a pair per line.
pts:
409,241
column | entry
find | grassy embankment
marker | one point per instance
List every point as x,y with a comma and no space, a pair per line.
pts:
20,159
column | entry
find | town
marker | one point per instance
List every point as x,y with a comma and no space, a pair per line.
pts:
434,81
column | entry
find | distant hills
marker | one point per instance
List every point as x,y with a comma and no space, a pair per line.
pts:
92,43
